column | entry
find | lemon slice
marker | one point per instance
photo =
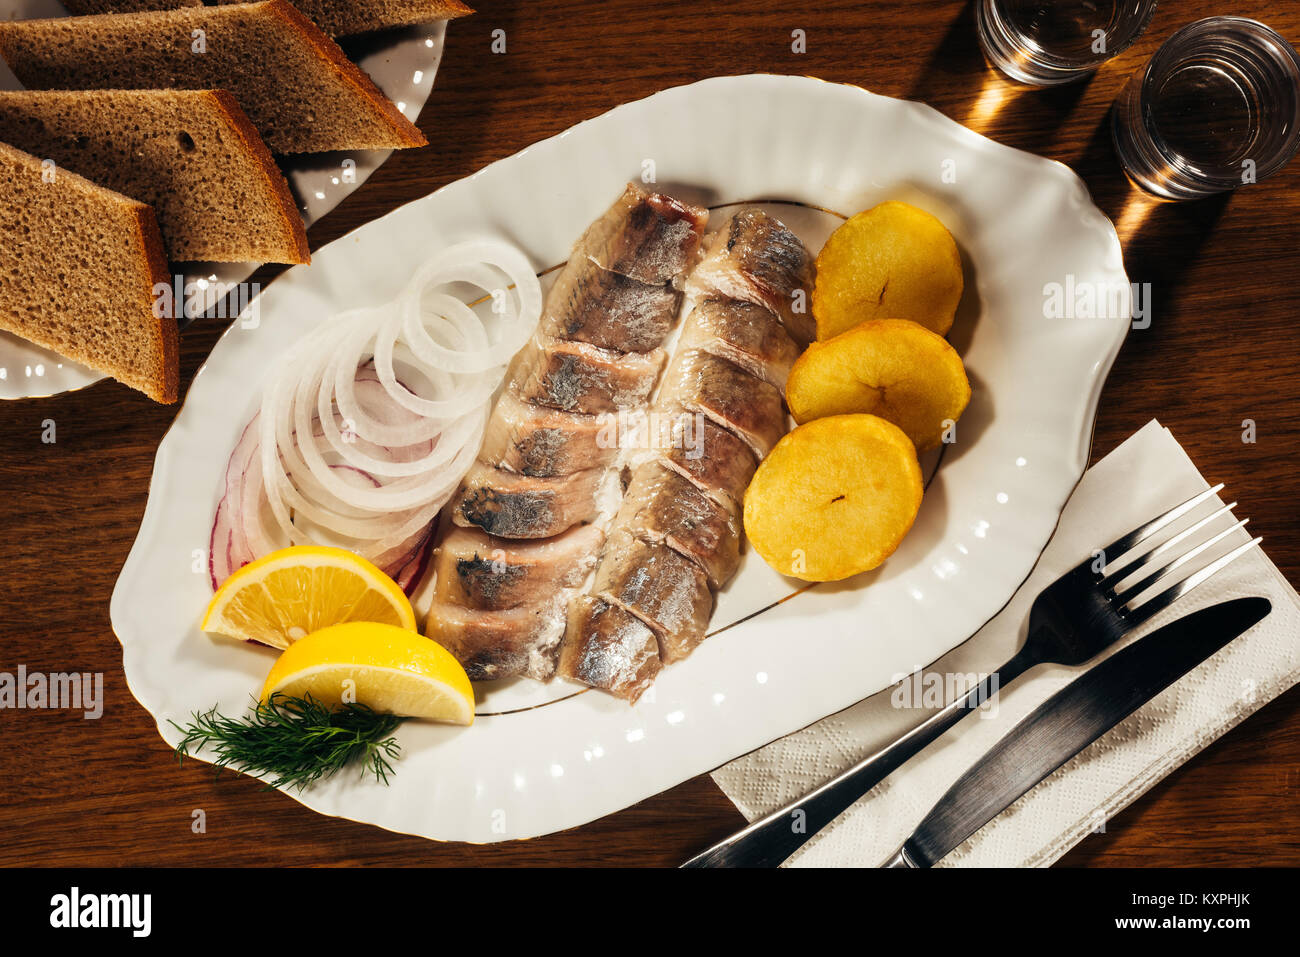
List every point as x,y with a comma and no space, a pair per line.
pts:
383,666
290,593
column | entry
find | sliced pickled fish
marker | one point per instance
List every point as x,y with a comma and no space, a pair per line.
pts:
743,333
477,570
500,644
544,442
547,448
579,377
662,506
607,648
511,505
699,381
664,589
607,309
717,463
646,236
756,258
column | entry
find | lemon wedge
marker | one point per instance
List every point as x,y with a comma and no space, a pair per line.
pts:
385,667
290,593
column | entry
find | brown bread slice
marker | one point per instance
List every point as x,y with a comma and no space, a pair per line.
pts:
341,18
78,269
295,84
85,7
338,18
190,154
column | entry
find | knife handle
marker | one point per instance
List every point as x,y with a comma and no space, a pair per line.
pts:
771,839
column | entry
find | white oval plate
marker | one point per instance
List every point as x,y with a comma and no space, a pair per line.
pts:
402,63
1023,222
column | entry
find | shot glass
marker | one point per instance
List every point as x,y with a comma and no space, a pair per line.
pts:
1050,42
1216,107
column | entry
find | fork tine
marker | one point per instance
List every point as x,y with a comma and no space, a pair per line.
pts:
1133,591
1125,543
1160,549
1174,592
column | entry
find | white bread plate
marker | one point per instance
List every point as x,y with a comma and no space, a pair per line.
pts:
402,64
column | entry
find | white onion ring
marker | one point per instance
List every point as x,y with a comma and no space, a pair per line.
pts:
411,384
422,303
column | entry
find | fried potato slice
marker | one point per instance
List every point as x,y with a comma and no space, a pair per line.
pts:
834,497
892,261
892,368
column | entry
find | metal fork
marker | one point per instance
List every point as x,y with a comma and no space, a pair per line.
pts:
1071,621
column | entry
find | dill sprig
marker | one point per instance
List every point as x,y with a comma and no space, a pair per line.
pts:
294,742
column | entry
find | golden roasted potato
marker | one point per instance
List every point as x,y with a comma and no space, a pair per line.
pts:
893,261
834,497
892,368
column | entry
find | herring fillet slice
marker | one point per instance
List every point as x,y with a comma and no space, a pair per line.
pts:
481,571
671,545
540,441
662,506
598,351
745,334
662,587
512,505
579,377
500,644
746,406
756,258
650,237
608,309
714,461
620,654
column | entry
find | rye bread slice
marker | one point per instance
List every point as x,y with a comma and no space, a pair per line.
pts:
190,154
295,84
83,8
341,18
78,268
338,18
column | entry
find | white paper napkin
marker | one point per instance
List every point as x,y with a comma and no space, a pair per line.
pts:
1147,474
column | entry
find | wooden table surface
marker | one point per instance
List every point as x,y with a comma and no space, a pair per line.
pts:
1222,348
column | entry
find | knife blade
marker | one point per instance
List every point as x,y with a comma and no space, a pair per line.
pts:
1072,719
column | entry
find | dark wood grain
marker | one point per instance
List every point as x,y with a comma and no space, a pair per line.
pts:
1222,348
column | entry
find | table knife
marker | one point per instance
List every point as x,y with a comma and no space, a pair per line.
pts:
1071,720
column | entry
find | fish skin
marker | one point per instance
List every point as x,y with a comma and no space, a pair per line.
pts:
721,469
578,377
607,309
511,505
481,571
500,644
756,258
646,236
607,648
745,405
746,334
662,506
544,442
666,590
